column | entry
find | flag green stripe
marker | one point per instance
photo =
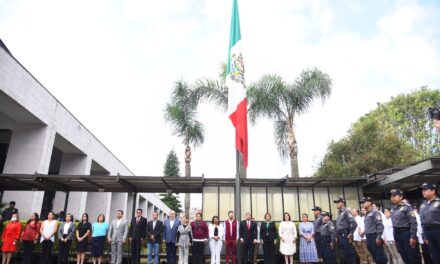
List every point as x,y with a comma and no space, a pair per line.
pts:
235,34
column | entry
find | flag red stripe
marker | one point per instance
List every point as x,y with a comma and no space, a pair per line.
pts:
239,120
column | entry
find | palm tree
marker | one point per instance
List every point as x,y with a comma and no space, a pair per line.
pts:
181,113
275,99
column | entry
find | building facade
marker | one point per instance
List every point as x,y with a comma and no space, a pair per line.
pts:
38,135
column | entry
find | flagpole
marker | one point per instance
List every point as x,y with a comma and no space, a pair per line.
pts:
237,187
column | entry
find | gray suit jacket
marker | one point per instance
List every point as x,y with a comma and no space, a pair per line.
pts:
118,234
70,231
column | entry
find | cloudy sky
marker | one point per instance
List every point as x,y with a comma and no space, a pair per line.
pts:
113,65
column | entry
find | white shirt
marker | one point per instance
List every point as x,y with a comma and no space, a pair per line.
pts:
118,222
48,229
171,223
66,228
360,228
154,224
388,231
419,228
211,229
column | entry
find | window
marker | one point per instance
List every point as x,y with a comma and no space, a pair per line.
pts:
352,198
227,202
210,202
291,202
259,203
321,198
275,202
335,192
306,200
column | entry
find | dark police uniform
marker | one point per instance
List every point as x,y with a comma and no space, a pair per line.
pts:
317,227
328,240
430,220
405,228
7,214
345,226
373,231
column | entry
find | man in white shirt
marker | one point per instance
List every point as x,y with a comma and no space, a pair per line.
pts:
358,238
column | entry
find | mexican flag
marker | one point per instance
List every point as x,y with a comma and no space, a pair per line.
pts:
235,82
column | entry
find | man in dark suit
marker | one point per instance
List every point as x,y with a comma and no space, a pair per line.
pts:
136,235
268,236
248,237
154,238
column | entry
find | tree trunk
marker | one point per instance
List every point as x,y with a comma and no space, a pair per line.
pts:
293,151
187,174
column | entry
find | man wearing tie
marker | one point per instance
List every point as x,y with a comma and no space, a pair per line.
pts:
248,238
117,235
268,236
169,235
136,234
154,238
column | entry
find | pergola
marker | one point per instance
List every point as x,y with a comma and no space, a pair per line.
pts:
406,177
152,184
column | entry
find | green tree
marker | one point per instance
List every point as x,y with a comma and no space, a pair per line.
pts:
406,116
275,99
172,201
394,133
366,149
181,114
171,167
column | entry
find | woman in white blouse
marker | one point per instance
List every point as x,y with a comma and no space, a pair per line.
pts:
388,237
216,234
287,232
48,230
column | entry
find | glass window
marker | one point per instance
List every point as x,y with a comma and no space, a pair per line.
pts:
210,202
259,203
321,198
227,202
275,202
335,192
245,201
306,200
291,202
351,196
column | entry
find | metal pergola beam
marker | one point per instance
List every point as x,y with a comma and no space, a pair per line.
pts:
406,174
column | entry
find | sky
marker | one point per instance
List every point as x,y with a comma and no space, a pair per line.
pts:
113,64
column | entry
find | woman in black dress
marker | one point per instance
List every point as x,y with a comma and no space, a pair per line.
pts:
83,231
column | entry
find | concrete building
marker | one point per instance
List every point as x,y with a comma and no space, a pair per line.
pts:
38,135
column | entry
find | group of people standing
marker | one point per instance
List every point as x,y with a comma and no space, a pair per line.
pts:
395,235
398,235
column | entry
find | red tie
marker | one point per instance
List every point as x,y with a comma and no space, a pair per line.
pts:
249,225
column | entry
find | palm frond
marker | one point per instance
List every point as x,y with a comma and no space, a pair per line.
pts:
211,91
196,133
264,98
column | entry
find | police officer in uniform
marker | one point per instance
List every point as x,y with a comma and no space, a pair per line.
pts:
345,226
328,239
373,231
317,227
430,219
405,229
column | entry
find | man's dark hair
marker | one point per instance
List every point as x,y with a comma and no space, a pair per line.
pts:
120,211
139,209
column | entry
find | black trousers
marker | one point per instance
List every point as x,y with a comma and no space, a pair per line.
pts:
46,252
63,251
136,251
347,249
197,252
28,251
247,252
171,253
328,254
318,244
409,255
378,253
433,236
268,251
